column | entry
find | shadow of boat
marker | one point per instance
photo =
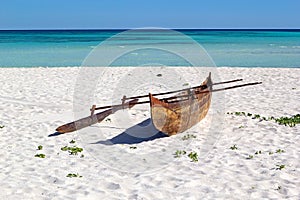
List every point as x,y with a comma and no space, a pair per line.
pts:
55,134
142,132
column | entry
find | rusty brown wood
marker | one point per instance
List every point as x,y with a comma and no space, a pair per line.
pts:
173,118
87,121
93,110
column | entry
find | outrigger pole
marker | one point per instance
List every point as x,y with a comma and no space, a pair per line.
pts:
92,119
170,98
171,92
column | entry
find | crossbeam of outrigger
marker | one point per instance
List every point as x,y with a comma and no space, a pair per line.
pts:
175,97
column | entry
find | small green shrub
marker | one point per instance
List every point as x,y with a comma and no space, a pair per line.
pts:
278,188
280,151
193,156
257,152
256,116
179,153
287,121
234,147
40,155
280,167
72,150
73,175
188,136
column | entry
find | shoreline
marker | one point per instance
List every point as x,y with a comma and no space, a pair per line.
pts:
59,67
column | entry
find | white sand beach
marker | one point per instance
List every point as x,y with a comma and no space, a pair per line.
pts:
238,157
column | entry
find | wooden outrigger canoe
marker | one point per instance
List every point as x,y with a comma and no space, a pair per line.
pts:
170,115
176,117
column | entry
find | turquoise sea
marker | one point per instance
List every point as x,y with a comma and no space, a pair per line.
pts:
235,48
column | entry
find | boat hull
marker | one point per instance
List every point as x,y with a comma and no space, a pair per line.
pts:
176,117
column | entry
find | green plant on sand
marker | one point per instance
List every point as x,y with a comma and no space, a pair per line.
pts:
234,147
72,150
193,156
72,141
287,121
280,151
188,136
280,167
71,175
179,153
40,155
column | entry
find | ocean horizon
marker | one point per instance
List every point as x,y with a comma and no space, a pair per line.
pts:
279,48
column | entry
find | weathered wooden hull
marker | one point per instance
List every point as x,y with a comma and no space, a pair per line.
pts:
176,117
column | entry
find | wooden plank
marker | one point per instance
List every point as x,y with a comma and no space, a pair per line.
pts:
93,119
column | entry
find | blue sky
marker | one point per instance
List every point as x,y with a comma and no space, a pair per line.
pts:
101,14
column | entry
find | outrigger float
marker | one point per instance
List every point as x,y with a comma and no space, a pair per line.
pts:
170,115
